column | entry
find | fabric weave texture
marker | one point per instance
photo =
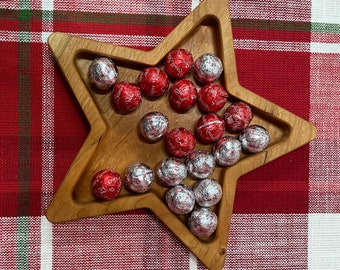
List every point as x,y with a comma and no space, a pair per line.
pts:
286,214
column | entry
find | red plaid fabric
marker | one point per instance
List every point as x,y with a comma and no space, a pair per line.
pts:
286,214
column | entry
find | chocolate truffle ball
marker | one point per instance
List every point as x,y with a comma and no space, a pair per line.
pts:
153,126
153,82
209,128
180,142
237,116
139,177
212,97
103,74
202,222
178,63
254,139
106,184
200,164
172,171
208,192
208,68
180,199
227,151
126,97
182,95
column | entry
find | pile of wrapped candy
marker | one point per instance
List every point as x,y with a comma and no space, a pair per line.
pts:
230,133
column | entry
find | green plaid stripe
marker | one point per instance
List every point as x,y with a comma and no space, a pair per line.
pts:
25,15
117,18
259,24
91,17
327,28
24,109
150,19
24,133
23,242
47,15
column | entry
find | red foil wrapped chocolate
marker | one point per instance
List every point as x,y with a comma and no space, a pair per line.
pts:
200,164
212,97
208,192
103,74
227,151
153,126
202,222
106,184
139,177
126,97
153,82
178,63
208,68
180,199
171,172
182,95
209,128
254,139
180,142
237,116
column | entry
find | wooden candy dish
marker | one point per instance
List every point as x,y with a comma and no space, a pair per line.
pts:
114,141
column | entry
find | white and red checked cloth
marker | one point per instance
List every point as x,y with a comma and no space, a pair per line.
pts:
286,215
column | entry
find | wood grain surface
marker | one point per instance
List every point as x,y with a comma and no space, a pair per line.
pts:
114,141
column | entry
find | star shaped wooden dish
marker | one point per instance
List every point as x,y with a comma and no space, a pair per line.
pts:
114,142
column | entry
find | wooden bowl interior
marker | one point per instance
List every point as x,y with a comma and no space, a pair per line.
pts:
125,142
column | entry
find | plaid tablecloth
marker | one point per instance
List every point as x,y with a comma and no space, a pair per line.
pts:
286,214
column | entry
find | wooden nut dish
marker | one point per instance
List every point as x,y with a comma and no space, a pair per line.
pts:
113,140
